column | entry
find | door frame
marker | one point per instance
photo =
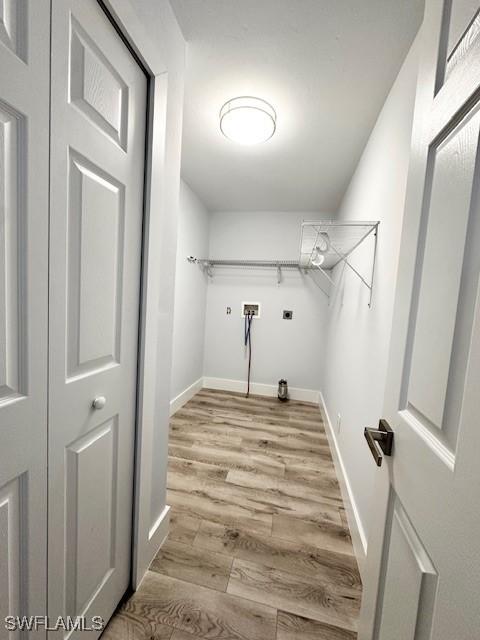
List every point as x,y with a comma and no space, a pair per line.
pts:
158,233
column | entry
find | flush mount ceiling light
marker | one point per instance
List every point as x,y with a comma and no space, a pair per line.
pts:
247,120
318,255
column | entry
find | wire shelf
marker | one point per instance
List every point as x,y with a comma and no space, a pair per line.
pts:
343,238
336,240
333,241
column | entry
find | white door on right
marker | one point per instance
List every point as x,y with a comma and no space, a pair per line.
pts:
423,562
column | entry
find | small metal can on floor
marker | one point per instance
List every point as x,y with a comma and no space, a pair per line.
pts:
282,390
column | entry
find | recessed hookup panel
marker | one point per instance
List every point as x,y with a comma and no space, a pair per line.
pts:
251,308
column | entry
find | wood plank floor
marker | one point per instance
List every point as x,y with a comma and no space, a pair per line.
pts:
258,547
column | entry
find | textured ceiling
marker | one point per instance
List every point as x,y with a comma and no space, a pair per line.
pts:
325,65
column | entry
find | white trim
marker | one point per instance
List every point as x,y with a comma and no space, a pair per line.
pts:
148,412
260,389
148,415
158,267
183,397
151,53
161,525
159,531
359,538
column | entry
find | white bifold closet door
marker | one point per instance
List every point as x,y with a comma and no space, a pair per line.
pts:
98,119
24,78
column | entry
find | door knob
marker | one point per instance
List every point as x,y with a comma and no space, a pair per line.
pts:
380,441
99,402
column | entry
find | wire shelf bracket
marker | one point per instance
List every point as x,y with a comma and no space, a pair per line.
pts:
335,241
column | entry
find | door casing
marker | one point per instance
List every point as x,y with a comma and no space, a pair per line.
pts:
158,265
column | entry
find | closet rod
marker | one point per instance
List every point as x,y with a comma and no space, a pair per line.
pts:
207,265
252,263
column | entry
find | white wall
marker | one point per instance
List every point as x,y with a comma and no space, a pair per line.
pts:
292,349
358,337
190,293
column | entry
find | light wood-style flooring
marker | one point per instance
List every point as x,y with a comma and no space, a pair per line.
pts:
259,547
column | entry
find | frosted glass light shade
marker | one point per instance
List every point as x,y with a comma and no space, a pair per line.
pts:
247,120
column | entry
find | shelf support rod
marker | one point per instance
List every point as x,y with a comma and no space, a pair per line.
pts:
352,249
373,266
344,259
326,275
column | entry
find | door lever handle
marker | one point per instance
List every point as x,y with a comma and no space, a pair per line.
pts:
380,441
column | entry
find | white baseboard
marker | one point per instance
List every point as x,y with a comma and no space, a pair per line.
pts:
188,393
359,538
156,537
259,389
161,526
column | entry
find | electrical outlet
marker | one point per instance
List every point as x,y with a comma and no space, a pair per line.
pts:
229,311
287,314
339,422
